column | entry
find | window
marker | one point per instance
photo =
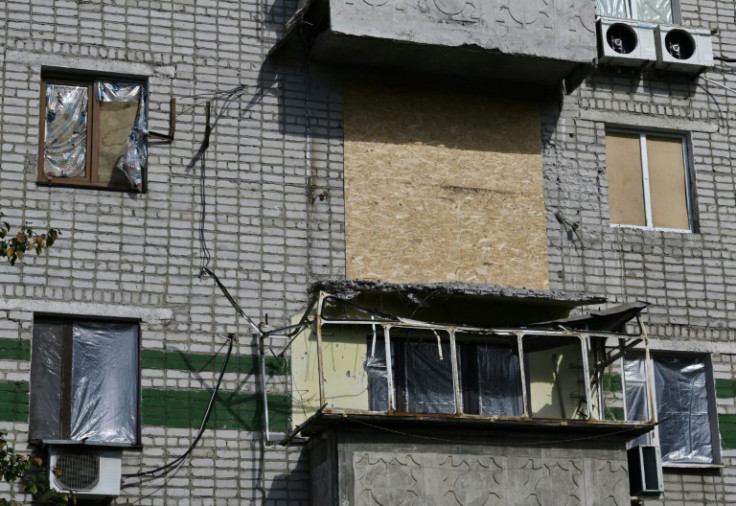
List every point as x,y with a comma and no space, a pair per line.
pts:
423,380
93,132
84,381
655,11
648,184
684,401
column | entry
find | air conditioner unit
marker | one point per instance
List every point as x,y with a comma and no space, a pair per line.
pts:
683,49
87,472
625,42
645,470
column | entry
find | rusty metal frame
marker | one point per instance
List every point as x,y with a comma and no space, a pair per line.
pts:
388,322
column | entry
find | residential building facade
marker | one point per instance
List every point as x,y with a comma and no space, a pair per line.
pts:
372,251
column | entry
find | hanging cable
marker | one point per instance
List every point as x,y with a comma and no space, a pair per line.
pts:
232,301
711,81
158,472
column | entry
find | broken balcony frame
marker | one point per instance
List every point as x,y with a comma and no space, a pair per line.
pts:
594,356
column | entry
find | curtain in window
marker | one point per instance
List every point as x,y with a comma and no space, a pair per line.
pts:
499,381
104,382
65,140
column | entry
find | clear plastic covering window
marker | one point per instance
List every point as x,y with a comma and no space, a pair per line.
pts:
683,405
683,409
133,158
104,382
637,394
613,8
84,381
108,116
653,11
65,147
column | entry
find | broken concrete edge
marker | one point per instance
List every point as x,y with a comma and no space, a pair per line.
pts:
350,288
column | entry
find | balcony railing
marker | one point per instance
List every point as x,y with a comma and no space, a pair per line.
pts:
357,361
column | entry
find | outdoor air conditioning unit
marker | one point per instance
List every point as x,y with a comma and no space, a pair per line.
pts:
87,472
645,470
625,42
683,49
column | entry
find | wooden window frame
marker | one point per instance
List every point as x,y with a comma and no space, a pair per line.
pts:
643,134
91,179
65,407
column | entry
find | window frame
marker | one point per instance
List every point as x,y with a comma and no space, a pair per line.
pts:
647,191
468,396
65,405
88,80
653,436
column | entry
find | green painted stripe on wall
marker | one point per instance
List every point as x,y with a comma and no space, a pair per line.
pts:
725,388
612,383
186,408
14,401
727,426
15,349
243,364
175,408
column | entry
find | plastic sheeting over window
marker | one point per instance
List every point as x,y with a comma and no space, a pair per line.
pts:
614,8
428,378
84,381
104,382
96,132
489,375
654,11
499,381
683,405
65,147
133,159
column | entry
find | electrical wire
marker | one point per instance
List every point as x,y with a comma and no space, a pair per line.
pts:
164,470
711,81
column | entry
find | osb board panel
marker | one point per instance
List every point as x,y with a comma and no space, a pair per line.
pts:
442,187
625,183
116,121
668,188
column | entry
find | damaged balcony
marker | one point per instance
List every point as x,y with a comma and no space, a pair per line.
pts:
379,366
528,41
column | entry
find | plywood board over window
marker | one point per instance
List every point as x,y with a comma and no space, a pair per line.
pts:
443,187
648,183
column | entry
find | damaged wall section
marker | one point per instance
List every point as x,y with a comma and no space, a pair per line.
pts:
443,188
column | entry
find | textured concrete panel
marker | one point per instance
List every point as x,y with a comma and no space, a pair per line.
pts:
562,30
442,468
